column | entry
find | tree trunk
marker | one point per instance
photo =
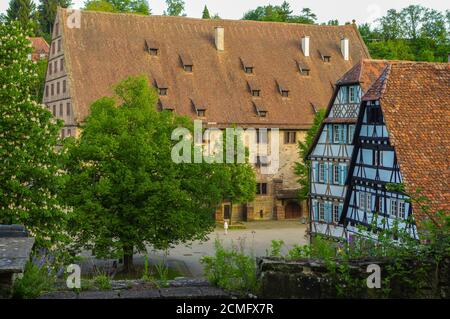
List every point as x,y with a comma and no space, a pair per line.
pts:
127,258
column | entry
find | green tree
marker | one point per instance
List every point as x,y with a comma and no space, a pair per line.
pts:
174,7
99,5
281,13
302,168
124,6
47,14
29,172
129,192
23,11
206,14
38,89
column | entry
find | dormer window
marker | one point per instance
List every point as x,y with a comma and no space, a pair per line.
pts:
303,68
261,110
152,47
161,86
201,113
247,65
282,88
187,63
199,109
255,89
165,105
326,56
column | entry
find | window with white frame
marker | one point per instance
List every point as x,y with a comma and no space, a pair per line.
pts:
337,133
321,208
402,209
365,201
352,94
394,207
321,172
335,213
351,131
336,174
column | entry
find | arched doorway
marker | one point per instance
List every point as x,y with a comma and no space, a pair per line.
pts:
292,210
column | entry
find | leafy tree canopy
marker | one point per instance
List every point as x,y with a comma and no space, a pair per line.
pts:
124,6
129,192
281,13
174,7
30,174
25,12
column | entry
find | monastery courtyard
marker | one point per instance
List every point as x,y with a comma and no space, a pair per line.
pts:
257,238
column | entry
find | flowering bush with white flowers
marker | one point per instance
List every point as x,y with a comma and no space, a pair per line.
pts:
30,176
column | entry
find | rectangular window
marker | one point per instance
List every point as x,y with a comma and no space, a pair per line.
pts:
336,174
261,188
50,68
394,207
290,137
261,136
61,112
322,172
59,45
377,158
351,132
188,68
68,109
321,208
336,213
201,113
64,86
344,94
54,110
402,209
338,134
61,64
285,93
374,115
57,87
52,89
53,48
380,204
46,91
153,52
163,91
248,70
262,161
352,94
55,67
365,201
57,29
69,132
256,93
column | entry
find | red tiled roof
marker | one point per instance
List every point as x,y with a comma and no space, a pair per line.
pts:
415,100
110,47
40,46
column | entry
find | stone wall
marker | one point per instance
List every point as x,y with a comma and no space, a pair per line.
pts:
310,279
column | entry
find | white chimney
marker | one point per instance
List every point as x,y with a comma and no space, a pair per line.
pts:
220,38
345,48
305,45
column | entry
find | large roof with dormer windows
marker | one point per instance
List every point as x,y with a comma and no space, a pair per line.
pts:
108,47
415,100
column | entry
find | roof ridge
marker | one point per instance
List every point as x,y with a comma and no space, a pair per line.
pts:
211,21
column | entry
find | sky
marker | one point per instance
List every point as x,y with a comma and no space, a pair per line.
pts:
343,10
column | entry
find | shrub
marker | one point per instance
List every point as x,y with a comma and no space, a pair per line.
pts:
231,269
34,282
275,248
102,281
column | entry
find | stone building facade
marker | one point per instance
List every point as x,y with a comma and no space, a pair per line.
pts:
225,73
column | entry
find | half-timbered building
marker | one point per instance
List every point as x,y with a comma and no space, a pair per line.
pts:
245,73
402,138
332,149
